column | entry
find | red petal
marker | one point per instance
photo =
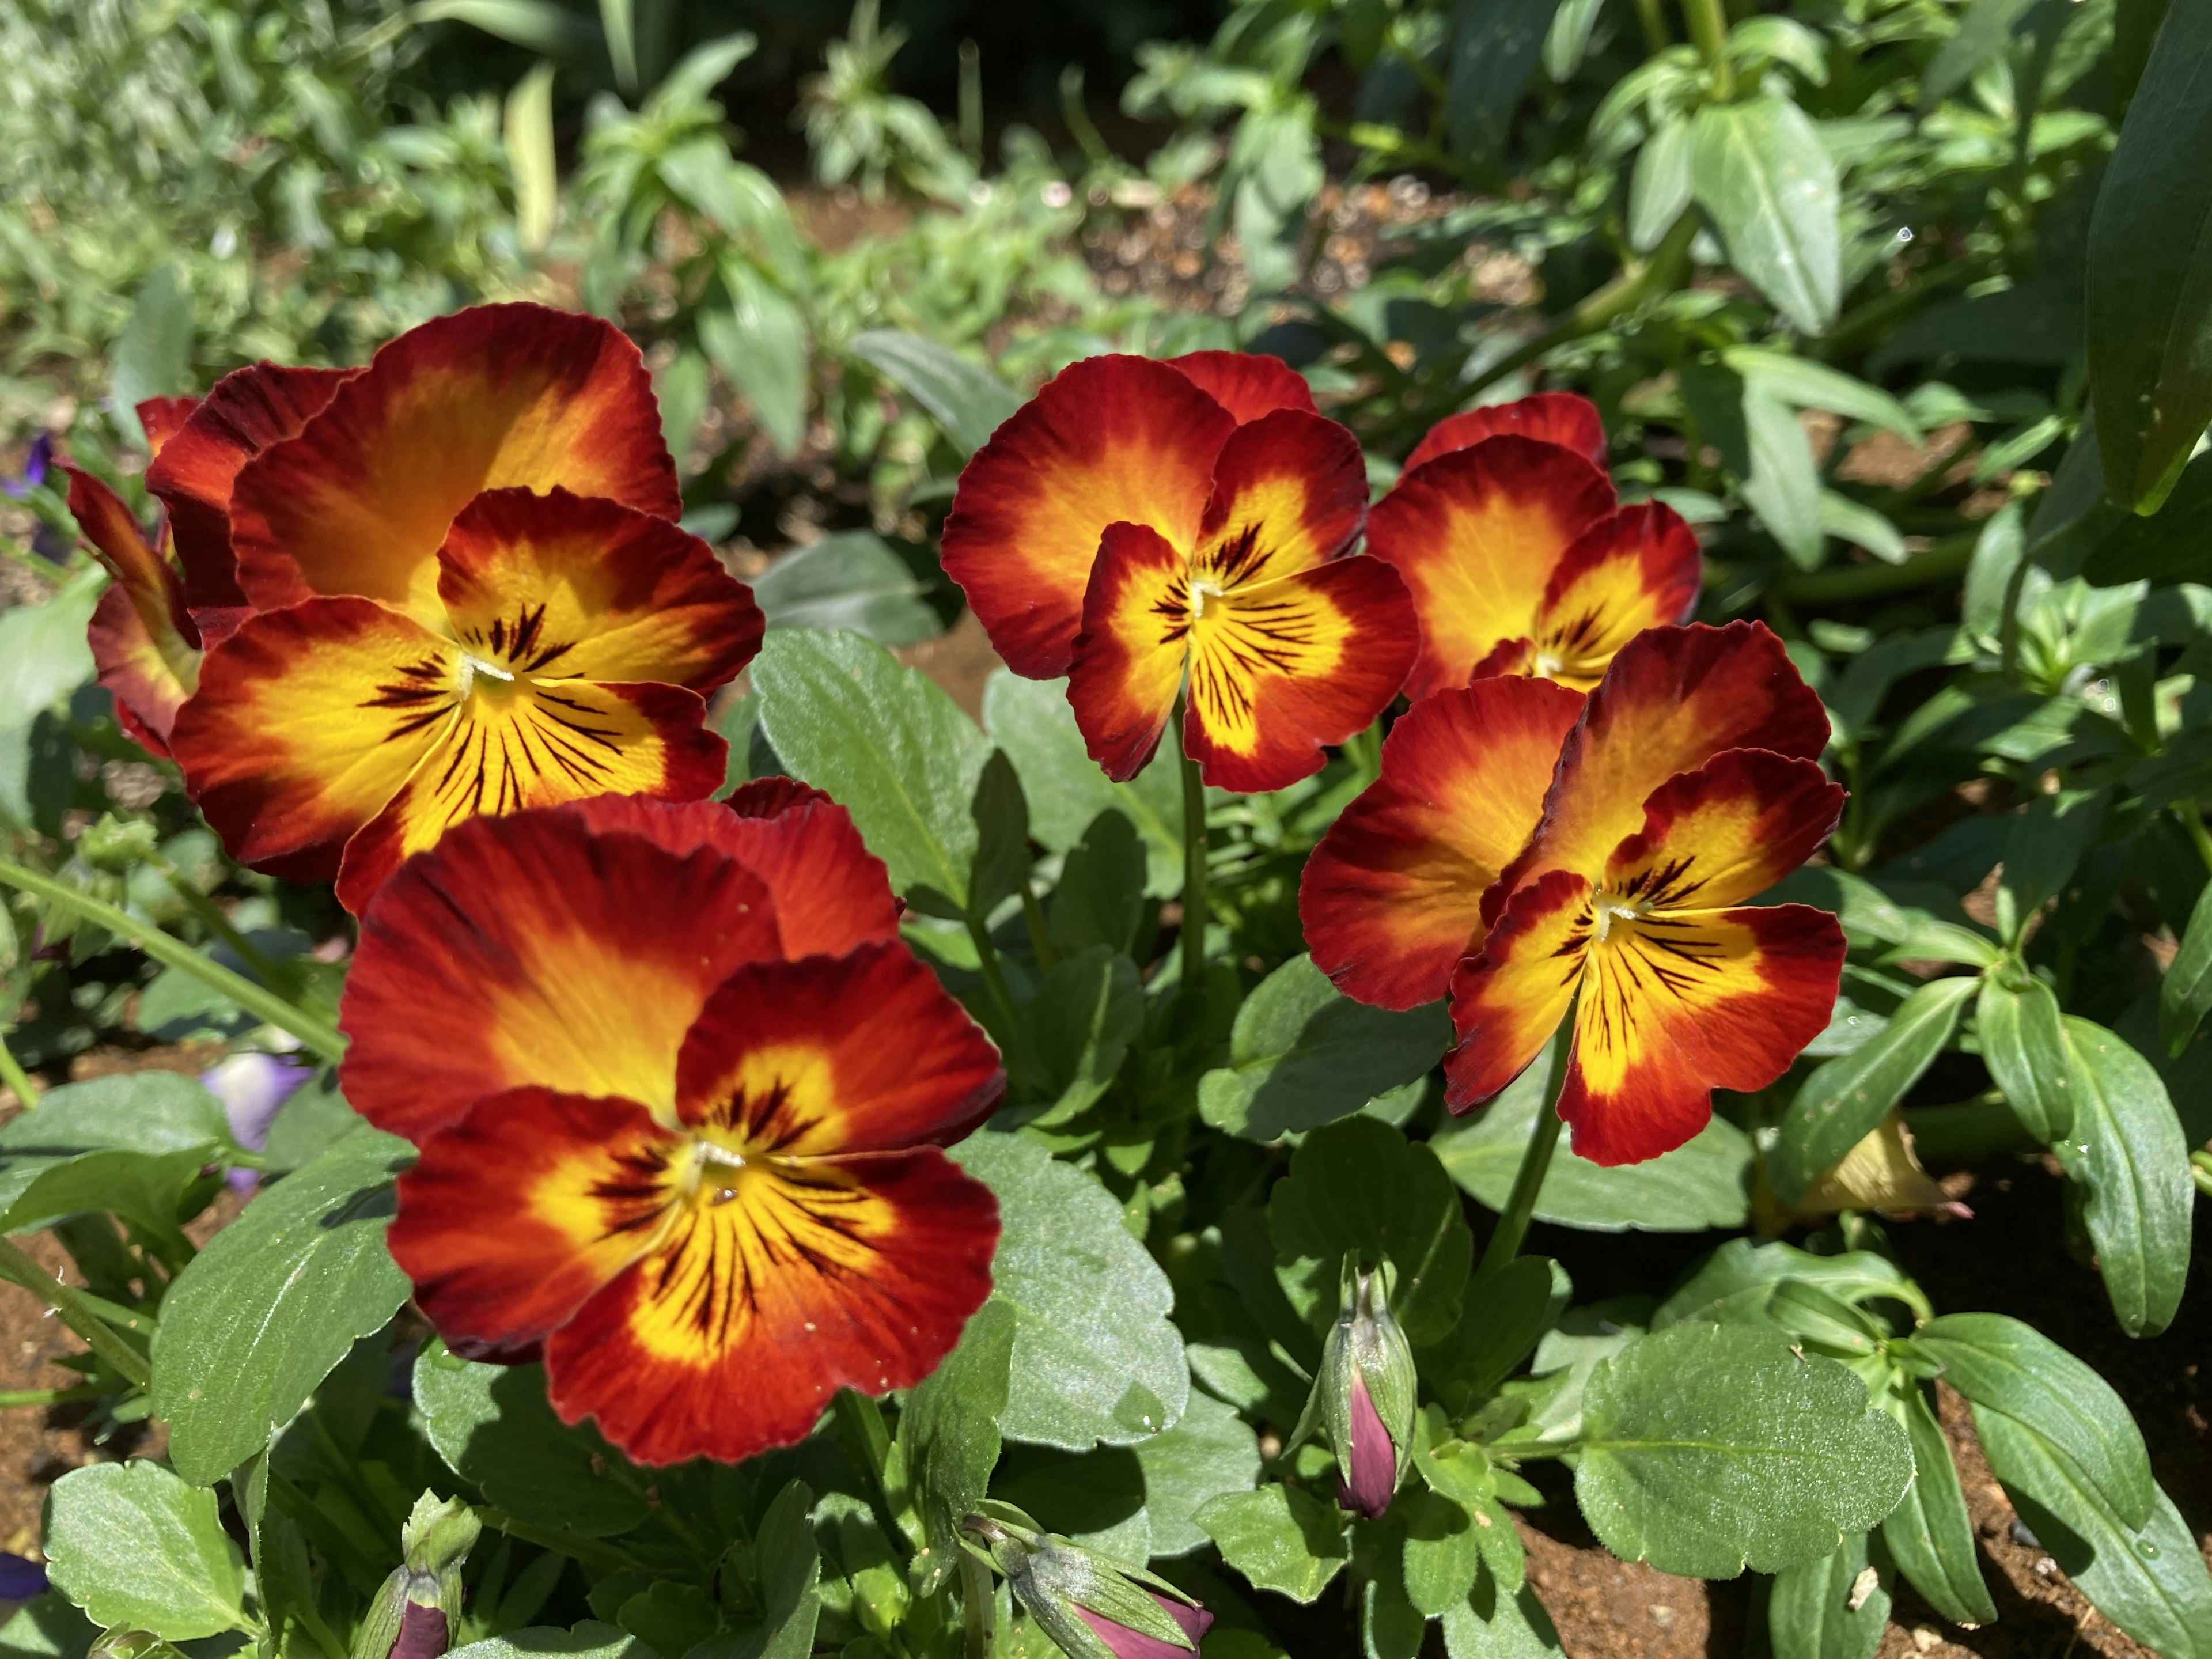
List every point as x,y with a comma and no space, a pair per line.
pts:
1248,384
1130,656
1553,418
1108,440
160,418
147,691
1726,832
1636,568
1290,493
1507,1002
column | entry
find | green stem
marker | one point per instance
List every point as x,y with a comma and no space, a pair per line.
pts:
994,974
1654,21
15,1397
592,1552
979,1607
1194,873
2192,823
16,1078
113,1351
1365,752
1639,279
1041,945
1945,562
867,1442
2200,1171
211,916
1709,28
1535,1160
257,1001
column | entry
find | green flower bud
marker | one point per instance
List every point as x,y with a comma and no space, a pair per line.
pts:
1365,1392
1091,1605
114,844
414,1614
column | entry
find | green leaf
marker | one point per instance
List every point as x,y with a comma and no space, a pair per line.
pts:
1302,1053
1506,1314
1930,1533
851,580
1707,1448
2127,1151
758,340
1983,32
1086,1014
1100,899
589,1640
2044,847
1817,1612
526,128
1280,1537
1032,721
1568,38
42,653
274,1302
969,401
1761,172
538,26
493,1426
1095,1356
948,1437
2024,1046
789,1562
1494,1623
1860,525
1211,1451
2149,297
1442,1559
1002,836
1696,1186
2186,991
132,1545
146,1188
1784,485
144,1111
886,741
2009,1367
2148,1580
1804,382
1738,1281
1360,1185
1845,1100
1659,188
154,358
47,1627
1495,48
2169,545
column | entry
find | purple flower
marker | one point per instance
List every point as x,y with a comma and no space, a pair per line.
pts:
38,461
1127,1643
1371,1464
20,1579
252,1087
422,1632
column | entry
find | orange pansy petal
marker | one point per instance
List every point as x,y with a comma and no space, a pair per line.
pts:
1673,699
1108,440
1248,384
1129,657
1391,898
160,418
500,396
1551,417
861,1053
1726,832
1476,533
1290,493
516,1214
308,720
1507,1002
1281,670
1636,568
574,586
513,745
810,1276
830,893
1675,1006
530,950
248,410
147,691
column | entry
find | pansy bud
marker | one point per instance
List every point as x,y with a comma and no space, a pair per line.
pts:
1092,1606
1365,1393
413,1615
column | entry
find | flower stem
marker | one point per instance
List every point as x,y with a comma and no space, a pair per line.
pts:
264,1004
2192,822
1041,944
16,1078
15,1397
1536,1160
994,974
1193,871
211,914
979,1610
113,1351
1708,27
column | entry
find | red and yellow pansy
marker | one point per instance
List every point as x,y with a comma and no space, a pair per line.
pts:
681,1093
1534,850
448,584
1185,528
1519,557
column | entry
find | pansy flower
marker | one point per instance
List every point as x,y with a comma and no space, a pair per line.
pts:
446,585
145,642
680,1092
1519,557
1531,851
1185,528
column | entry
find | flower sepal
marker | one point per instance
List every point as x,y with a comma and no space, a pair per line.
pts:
414,1614
1365,1393
1091,1605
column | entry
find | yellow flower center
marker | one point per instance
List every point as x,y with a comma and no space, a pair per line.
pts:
1609,909
1200,591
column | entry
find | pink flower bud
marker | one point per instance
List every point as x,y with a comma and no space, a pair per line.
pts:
1129,1643
1370,1473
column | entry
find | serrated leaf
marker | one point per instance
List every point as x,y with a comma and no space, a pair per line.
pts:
1707,1448
589,1640
1360,1185
1761,171
1096,1360
1495,1623
1845,1100
948,1437
1280,1538
134,1546
1699,1185
886,741
1302,1053
1442,1559
1211,1451
274,1302
2127,1149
